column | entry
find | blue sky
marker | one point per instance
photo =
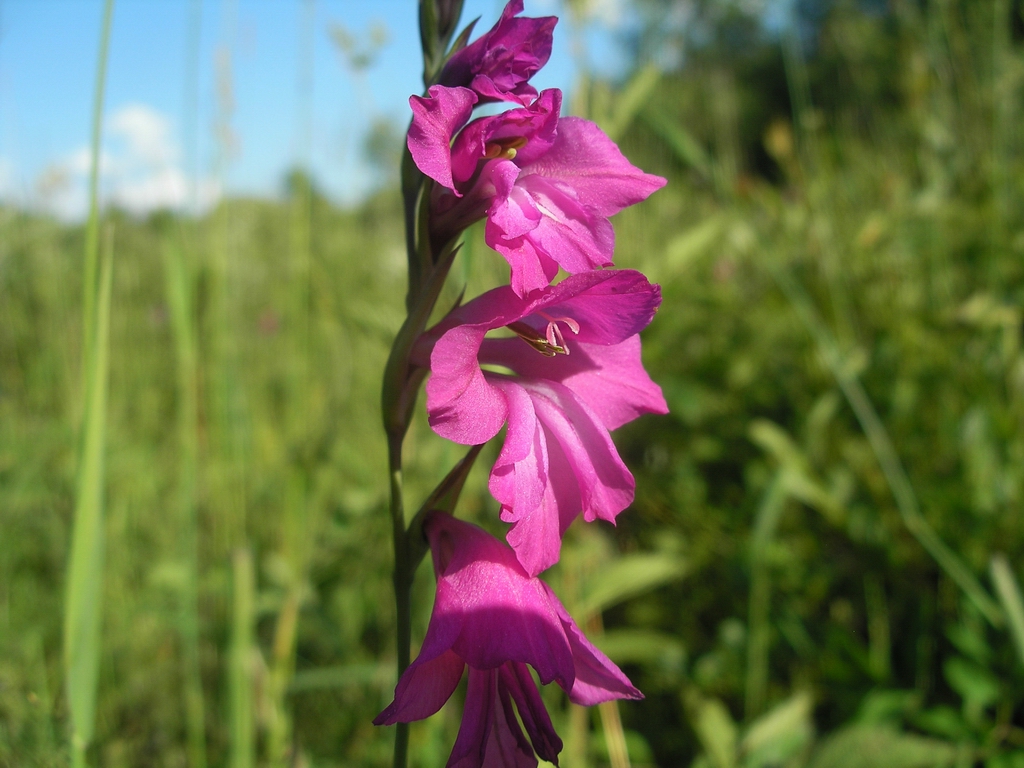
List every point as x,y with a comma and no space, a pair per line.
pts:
48,65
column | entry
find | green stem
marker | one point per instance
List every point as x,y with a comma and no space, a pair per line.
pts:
403,583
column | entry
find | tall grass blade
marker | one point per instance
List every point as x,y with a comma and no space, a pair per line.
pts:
179,301
92,227
1008,592
296,539
240,682
178,283
84,608
765,524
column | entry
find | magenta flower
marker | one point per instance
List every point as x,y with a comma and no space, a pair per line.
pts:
547,185
577,376
490,614
499,64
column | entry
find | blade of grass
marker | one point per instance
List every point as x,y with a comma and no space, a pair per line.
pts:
92,226
765,523
1008,592
183,325
243,607
84,607
297,526
179,301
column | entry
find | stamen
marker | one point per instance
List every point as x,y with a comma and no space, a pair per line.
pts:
543,345
554,333
553,341
504,148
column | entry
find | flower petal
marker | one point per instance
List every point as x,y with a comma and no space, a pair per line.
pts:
461,404
488,737
423,688
435,120
486,587
598,679
499,63
606,486
519,683
587,161
611,379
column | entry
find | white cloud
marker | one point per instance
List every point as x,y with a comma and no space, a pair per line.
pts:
140,170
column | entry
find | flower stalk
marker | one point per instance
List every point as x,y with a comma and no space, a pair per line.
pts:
546,207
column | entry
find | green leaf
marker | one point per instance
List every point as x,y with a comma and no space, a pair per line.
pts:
631,100
716,730
638,646
626,577
779,734
866,746
977,685
887,706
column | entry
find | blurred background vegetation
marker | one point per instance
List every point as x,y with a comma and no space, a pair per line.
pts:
822,565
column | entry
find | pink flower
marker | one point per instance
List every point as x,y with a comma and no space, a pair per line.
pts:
547,185
490,614
498,65
577,376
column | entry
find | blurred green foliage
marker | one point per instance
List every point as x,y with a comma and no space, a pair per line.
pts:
822,565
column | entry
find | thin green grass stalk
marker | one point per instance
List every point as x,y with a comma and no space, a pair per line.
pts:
92,227
240,682
179,282
84,607
1008,592
814,170
1001,117
885,452
179,300
297,524
614,735
227,464
766,522
608,713
879,637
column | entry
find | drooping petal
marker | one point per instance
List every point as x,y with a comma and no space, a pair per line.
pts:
584,159
499,63
598,679
485,586
488,736
516,679
436,118
423,689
